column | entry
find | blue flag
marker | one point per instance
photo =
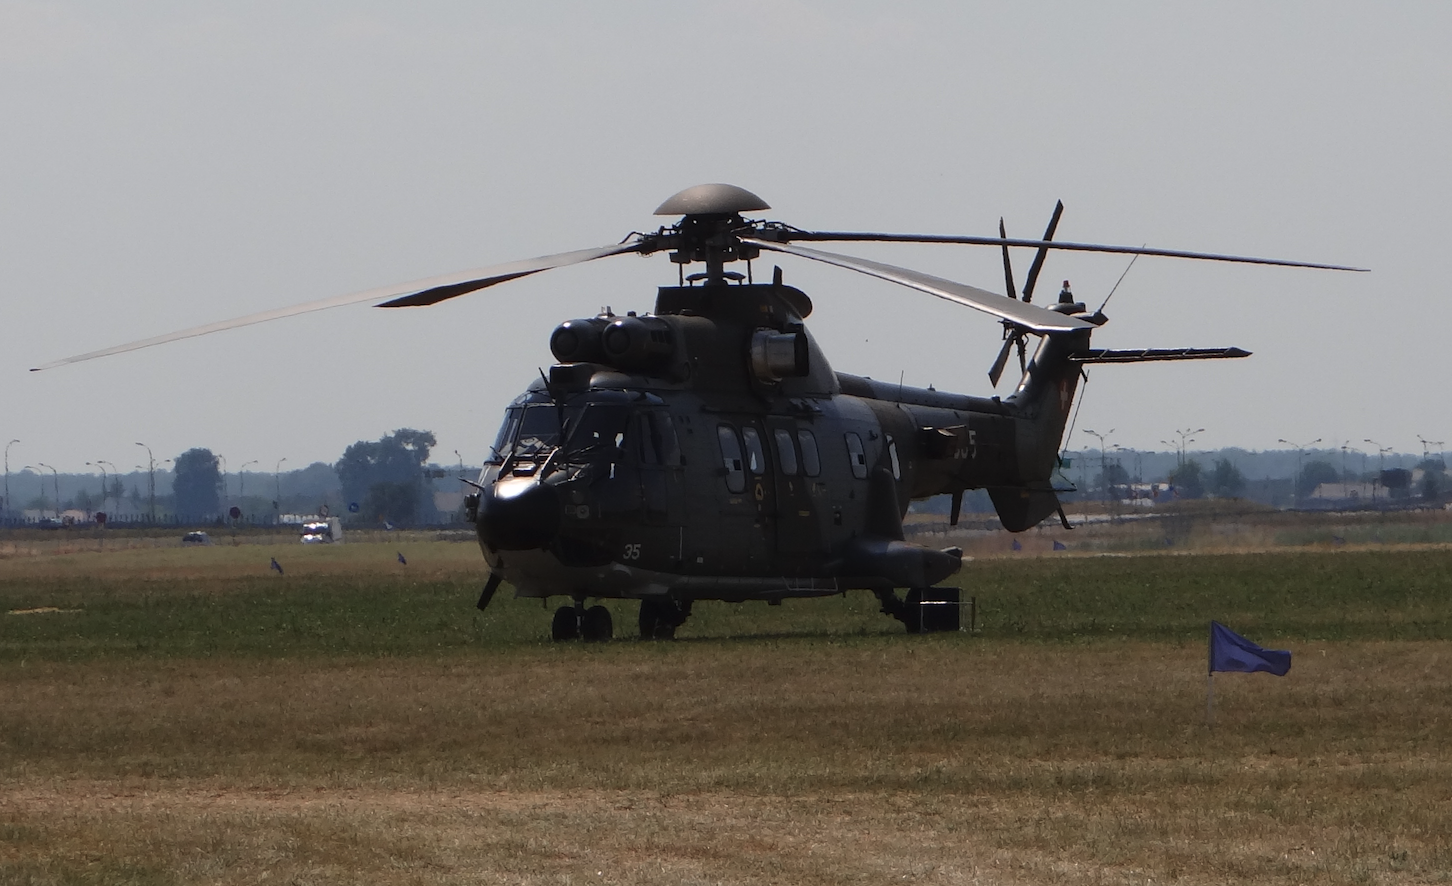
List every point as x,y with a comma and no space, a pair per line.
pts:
1016,545
1060,546
400,558
1231,652
276,565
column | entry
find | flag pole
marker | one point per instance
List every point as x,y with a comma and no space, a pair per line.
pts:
1210,680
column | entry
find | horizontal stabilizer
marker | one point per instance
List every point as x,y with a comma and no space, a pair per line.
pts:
1020,508
1151,355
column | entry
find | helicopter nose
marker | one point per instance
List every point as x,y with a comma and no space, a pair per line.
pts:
518,514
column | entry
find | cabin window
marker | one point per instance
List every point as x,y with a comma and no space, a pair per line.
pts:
755,459
892,457
811,461
857,456
786,452
731,457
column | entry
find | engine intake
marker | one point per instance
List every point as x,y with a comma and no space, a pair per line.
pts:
638,343
578,341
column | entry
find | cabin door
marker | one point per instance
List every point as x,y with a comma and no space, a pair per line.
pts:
796,516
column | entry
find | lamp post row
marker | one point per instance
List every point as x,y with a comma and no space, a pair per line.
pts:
102,464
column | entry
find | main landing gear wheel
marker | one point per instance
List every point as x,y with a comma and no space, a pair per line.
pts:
595,625
566,624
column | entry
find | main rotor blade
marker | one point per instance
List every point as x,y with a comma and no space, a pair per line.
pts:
1008,268
437,289
854,237
1028,316
421,292
1043,253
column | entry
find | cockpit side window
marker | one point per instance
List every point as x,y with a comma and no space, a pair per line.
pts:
534,429
731,457
657,435
504,443
596,424
539,430
647,440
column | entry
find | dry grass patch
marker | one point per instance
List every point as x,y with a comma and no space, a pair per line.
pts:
792,761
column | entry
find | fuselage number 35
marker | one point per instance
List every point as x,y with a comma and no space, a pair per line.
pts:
970,450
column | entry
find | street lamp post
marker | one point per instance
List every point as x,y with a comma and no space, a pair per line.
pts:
7,476
1183,435
33,470
1430,446
224,481
1129,480
242,483
115,473
55,478
151,480
1381,452
103,483
1346,448
277,479
1103,459
1300,454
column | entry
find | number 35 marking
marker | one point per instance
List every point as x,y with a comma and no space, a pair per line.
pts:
632,552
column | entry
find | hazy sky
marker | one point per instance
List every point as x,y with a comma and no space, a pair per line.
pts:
168,164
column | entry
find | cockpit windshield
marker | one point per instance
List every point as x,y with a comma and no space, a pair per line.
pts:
535,429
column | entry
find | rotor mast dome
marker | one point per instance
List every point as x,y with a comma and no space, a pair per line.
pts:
711,199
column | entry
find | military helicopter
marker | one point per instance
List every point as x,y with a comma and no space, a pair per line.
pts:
707,450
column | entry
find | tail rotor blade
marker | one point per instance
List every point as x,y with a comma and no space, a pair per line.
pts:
996,372
1033,275
1007,265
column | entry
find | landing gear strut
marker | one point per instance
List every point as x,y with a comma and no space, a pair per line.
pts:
660,618
593,625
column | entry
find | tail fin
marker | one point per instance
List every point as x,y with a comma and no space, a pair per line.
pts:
1043,403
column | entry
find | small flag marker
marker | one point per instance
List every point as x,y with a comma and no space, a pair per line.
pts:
276,565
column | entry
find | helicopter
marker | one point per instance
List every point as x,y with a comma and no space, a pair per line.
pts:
707,449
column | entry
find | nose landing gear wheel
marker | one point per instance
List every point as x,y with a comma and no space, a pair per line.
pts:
660,618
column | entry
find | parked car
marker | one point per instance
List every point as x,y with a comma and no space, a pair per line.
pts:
196,538
317,534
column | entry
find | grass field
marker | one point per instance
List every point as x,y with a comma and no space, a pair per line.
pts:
181,716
